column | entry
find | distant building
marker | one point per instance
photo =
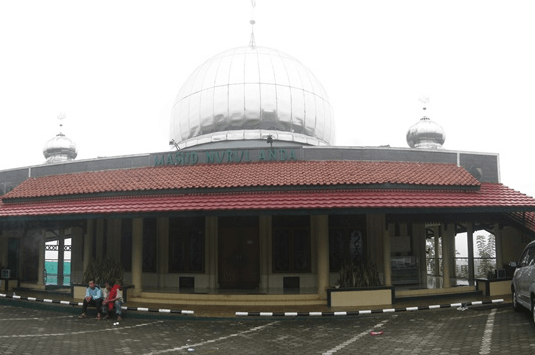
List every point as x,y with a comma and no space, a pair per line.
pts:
254,199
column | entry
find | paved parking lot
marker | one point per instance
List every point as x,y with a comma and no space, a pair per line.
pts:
493,329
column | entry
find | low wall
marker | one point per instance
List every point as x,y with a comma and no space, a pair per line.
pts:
356,297
78,291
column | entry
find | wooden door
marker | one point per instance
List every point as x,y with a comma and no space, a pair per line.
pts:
239,265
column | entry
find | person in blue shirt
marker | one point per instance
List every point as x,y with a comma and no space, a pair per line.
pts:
93,297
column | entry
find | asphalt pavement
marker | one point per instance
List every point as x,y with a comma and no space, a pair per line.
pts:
33,327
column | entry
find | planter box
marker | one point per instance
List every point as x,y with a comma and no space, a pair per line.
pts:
78,291
494,287
356,297
8,284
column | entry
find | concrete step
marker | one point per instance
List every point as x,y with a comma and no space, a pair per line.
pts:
436,292
228,299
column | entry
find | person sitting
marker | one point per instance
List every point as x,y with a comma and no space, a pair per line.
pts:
93,297
114,300
119,303
105,292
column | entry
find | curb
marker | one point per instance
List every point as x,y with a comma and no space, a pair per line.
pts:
462,306
68,303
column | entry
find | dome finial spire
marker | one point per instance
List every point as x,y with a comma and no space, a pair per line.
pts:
424,100
252,42
61,117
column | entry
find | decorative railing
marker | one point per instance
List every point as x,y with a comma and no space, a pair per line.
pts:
482,267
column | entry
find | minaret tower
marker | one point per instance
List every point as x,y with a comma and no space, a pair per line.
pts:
59,149
426,134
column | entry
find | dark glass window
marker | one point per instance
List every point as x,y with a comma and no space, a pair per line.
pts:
186,244
94,240
126,244
347,236
149,244
291,244
105,237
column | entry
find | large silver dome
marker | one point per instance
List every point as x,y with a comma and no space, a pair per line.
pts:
248,93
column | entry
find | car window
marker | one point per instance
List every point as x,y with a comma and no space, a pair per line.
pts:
531,256
528,258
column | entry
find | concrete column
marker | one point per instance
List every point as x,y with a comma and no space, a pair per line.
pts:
88,244
470,242
438,251
61,255
265,240
387,231
163,250
41,267
499,251
418,231
76,255
321,230
453,251
447,235
137,255
210,252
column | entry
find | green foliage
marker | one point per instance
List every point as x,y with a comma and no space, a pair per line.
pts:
358,275
431,253
102,270
487,251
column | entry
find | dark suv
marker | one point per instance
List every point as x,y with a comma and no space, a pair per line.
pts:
523,284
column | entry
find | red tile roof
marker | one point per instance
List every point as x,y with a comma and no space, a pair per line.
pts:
490,198
225,176
526,219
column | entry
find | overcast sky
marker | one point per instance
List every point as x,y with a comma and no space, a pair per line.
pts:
115,67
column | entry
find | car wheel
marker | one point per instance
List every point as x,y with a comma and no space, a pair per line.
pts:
516,306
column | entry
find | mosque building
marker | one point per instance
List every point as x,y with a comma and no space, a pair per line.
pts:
255,203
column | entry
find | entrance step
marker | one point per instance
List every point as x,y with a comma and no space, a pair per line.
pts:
431,292
28,286
228,299
31,286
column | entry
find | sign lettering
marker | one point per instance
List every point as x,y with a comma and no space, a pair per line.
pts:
222,157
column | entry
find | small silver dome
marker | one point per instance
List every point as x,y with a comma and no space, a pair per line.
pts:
426,134
59,149
248,93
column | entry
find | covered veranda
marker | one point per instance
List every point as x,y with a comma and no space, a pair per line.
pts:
136,225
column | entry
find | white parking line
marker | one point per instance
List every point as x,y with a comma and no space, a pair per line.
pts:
47,318
355,338
107,329
192,346
486,341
